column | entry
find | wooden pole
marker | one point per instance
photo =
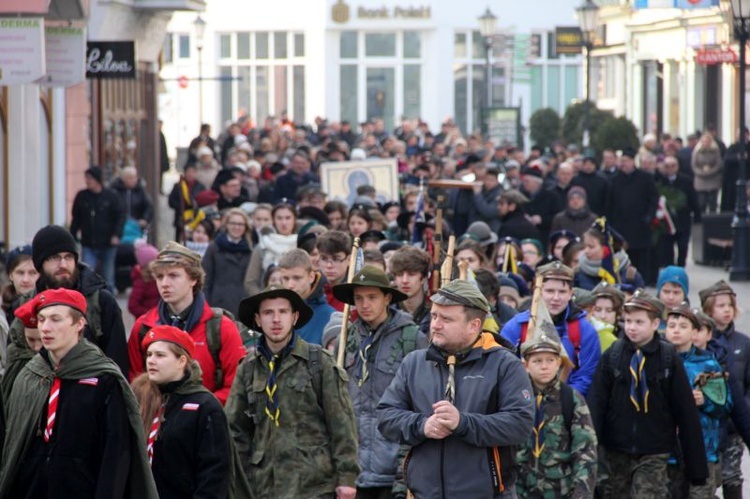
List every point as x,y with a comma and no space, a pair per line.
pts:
446,271
535,305
438,239
345,321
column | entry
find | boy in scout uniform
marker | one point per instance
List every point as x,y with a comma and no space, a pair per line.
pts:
289,412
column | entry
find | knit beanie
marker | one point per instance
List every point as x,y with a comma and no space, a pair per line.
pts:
96,173
145,254
51,240
675,275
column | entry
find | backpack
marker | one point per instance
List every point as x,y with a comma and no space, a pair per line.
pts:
406,344
666,359
574,335
213,339
567,403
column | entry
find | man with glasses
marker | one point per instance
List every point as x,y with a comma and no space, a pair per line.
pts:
55,256
334,248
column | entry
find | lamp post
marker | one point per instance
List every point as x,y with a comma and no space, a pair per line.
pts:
487,24
200,29
740,271
588,17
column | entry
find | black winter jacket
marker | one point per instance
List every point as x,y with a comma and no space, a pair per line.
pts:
631,207
98,217
596,186
671,408
88,454
515,224
192,456
135,202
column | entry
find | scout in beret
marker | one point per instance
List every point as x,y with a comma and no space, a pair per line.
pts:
26,315
705,330
682,324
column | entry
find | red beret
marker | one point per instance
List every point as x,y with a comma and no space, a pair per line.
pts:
170,334
61,296
26,315
207,197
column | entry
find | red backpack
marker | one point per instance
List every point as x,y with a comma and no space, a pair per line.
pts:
574,335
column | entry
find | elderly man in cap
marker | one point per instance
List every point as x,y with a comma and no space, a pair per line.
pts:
578,336
55,256
73,427
463,404
376,344
179,278
513,220
289,412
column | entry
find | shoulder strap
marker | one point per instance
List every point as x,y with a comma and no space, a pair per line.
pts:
94,314
316,372
406,343
213,342
667,359
567,403
615,357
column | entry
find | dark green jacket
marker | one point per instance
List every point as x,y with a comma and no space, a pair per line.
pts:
28,399
314,448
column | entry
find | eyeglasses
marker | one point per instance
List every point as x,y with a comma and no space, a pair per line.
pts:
67,257
331,261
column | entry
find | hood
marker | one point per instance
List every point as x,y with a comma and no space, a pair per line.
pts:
396,319
318,295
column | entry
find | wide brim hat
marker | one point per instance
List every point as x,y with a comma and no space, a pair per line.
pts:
367,277
249,306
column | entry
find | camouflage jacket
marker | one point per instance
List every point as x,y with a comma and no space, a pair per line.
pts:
567,465
314,448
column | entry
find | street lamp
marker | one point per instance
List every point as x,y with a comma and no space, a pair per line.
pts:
740,271
200,28
487,24
588,18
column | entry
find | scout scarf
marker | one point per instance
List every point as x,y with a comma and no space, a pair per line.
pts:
638,386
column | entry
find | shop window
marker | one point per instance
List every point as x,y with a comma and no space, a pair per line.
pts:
243,45
261,45
166,49
279,45
225,46
478,97
553,88
477,45
459,45
299,93
348,93
498,86
348,45
412,45
244,96
299,45
381,95
460,95
184,44
227,101
279,89
380,44
412,90
262,93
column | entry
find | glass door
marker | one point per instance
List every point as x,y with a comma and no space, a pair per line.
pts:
381,96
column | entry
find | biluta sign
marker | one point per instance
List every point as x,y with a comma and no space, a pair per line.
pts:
110,60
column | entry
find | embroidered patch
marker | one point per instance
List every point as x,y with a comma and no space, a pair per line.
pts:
190,407
526,395
89,381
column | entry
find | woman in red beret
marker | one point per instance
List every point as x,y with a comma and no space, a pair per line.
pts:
186,429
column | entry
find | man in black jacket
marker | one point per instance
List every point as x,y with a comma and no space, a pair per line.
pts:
543,205
631,208
594,183
99,218
55,257
681,201
513,220
134,199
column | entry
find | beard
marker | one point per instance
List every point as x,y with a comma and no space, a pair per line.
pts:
65,281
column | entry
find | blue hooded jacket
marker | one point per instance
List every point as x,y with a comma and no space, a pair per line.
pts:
312,332
590,349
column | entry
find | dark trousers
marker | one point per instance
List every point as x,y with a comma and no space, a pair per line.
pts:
666,249
374,493
642,261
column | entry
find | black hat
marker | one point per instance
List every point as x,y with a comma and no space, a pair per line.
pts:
96,173
559,234
372,235
51,240
249,306
367,277
15,254
224,176
629,152
390,204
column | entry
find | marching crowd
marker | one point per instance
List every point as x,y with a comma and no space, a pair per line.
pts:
291,346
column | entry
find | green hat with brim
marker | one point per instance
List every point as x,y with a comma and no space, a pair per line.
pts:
367,277
458,292
249,306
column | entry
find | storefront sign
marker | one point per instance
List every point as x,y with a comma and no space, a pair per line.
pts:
65,49
716,56
341,12
21,50
110,60
24,6
696,4
568,40
504,125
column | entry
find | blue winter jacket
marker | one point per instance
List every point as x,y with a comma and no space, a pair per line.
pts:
713,416
312,332
588,355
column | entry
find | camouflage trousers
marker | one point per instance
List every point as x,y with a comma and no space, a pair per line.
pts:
636,476
731,461
680,486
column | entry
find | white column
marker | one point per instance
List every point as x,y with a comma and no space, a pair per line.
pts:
59,156
728,125
27,176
